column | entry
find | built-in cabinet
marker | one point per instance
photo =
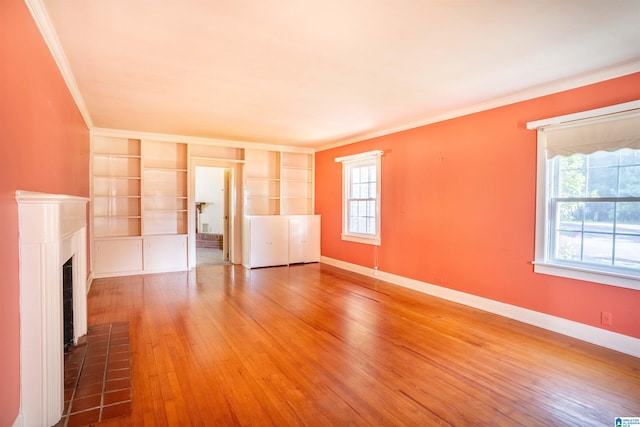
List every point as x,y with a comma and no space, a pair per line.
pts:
304,238
142,206
280,227
116,165
116,256
272,240
139,206
278,183
266,241
165,183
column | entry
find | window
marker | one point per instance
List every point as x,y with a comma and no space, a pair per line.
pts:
588,203
361,197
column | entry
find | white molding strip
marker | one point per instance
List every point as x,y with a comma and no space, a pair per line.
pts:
589,114
535,92
121,133
18,422
89,282
359,157
42,20
591,334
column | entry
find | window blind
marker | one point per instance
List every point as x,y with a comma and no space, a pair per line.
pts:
603,133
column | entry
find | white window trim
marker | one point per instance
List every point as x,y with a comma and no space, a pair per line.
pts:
541,263
349,161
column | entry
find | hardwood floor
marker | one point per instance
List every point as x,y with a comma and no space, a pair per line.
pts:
315,345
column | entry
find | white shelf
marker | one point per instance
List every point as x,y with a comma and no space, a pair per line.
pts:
139,200
165,183
278,182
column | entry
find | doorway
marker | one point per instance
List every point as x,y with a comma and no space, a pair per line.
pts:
212,202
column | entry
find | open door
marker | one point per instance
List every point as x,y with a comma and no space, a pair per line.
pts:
212,202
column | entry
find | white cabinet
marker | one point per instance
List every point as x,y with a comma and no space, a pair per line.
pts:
266,241
165,253
139,205
271,240
304,238
117,256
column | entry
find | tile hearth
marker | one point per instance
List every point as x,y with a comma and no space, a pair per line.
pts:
97,376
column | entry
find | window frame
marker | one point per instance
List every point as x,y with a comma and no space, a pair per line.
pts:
544,263
348,163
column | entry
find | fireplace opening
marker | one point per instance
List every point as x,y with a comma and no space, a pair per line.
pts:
67,303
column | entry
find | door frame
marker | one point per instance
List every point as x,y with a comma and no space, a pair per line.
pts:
232,199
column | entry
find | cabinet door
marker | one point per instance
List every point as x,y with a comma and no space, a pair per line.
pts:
269,240
117,256
165,253
304,238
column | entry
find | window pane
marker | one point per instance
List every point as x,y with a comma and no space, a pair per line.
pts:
371,226
353,224
603,158
570,215
568,246
572,176
629,156
630,181
597,248
372,173
362,208
355,175
627,253
628,218
355,191
364,191
598,217
602,182
353,208
371,208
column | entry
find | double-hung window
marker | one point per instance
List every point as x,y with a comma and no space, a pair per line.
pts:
361,197
588,203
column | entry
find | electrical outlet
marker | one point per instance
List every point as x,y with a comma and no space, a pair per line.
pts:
606,318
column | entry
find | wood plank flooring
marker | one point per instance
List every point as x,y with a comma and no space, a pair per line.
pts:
313,345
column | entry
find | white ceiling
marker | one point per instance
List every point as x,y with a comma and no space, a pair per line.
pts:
320,73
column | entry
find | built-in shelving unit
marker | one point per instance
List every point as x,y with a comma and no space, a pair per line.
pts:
116,187
262,182
165,186
142,199
278,183
139,205
297,184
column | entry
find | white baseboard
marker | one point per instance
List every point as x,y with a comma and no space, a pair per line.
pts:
18,422
591,334
89,281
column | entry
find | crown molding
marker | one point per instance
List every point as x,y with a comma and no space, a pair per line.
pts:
531,93
166,137
43,22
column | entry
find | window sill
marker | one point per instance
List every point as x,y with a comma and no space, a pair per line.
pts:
578,273
358,239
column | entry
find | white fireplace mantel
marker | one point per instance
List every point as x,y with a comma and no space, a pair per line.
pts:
52,229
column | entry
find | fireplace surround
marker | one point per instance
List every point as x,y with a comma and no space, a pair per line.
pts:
52,230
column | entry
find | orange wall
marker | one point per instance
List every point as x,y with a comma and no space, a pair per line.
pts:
44,146
458,208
